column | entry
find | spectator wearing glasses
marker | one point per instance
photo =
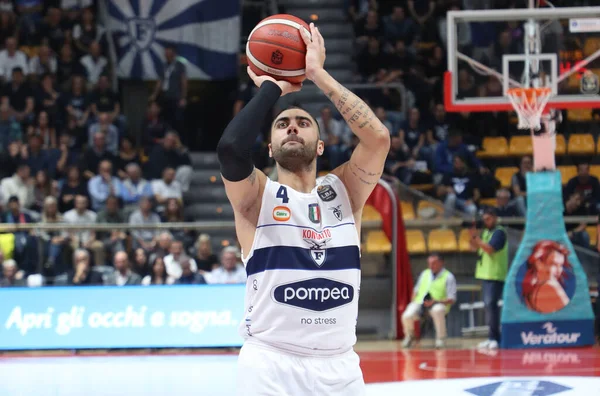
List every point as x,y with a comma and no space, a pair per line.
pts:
81,274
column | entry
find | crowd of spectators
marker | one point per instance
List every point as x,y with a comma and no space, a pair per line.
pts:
66,157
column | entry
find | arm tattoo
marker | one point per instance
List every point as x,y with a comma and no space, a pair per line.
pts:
361,173
365,172
367,182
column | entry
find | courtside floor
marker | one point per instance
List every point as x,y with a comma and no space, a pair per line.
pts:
388,370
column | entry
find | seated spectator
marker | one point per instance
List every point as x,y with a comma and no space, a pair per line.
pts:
368,28
103,185
47,98
10,129
412,135
460,188
87,31
17,96
44,128
398,27
127,155
463,30
145,239
8,21
577,233
108,243
587,185
92,156
34,155
44,63
434,293
504,206
123,276
67,67
10,59
188,276
163,245
381,114
205,259
77,134
51,30
74,101
104,100
167,187
332,133
140,264
82,274
448,149
26,243
519,186
94,63
64,156
174,259
400,165
53,240
134,187
19,185
371,60
173,213
230,270
72,187
154,128
10,277
438,130
171,153
400,64
159,274
81,215
44,187
109,130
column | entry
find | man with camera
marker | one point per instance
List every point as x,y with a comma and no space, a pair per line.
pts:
433,294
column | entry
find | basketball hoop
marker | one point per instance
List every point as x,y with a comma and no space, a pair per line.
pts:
529,103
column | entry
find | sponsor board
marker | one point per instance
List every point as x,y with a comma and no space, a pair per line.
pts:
546,334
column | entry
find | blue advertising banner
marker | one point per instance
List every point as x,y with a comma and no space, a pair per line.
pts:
121,317
205,33
546,293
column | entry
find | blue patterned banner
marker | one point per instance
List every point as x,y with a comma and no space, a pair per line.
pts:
206,34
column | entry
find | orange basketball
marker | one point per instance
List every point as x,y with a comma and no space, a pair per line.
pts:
276,48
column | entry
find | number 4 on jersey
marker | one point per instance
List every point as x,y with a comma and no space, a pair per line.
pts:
282,193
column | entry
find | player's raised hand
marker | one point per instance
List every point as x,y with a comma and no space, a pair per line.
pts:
285,86
315,51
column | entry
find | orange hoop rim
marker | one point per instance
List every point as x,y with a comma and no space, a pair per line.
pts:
529,93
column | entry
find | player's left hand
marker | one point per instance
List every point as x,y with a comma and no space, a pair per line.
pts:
315,51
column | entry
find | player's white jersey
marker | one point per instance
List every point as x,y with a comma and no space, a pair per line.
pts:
304,270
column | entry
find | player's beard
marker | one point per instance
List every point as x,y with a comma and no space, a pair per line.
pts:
297,157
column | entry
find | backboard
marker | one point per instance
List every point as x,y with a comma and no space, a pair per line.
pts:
492,51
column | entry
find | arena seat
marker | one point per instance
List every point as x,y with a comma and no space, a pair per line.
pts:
415,242
377,242
505,174
595,171
423,204
561,145
567,172
592,44
442,240
520,145
593,233
581,144
370,214
463,241
408,211
493,147
488,202
579,115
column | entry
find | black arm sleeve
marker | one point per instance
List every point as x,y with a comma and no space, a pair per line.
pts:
235,147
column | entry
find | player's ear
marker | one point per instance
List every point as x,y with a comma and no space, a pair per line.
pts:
320,147
270,150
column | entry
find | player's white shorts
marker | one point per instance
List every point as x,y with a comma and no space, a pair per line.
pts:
263,371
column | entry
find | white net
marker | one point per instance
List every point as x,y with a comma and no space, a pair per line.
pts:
529,104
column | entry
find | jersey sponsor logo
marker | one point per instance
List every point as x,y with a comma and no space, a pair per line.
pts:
319,256
337,212
317,242
326,192
282,213
317,294
315,235
314,213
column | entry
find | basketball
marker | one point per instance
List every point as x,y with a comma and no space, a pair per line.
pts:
276,48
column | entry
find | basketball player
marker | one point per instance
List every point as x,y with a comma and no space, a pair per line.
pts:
300,239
